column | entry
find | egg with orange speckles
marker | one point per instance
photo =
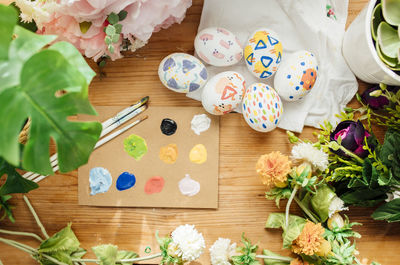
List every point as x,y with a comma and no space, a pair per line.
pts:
296,76
262,107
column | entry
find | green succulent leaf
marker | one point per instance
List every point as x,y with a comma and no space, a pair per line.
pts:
125,254
388,39
107,254
122,15
273,261
6,207
389,211
377,18
110,30
391,62
113,18
118,28
15,183
321,201
391,11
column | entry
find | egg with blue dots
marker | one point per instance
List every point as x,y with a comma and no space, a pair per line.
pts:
263,53
182,73
262,107
296,76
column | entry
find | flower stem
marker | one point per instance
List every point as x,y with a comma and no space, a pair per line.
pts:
122,260
349,153
357,261
287,259
305,209
36,217
21,234
288,205
1,263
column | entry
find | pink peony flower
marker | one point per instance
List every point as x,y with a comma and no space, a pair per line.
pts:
63,18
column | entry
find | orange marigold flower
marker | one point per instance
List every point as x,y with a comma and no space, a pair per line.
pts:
309,240
298,262
273,169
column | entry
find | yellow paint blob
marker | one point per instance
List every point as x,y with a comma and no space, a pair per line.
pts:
169,153
198,154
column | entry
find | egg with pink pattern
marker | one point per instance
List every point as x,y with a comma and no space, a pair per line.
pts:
218,47
262,107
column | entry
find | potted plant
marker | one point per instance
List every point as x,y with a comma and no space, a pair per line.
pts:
371,43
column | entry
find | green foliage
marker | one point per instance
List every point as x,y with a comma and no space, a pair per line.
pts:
389,211
113,30
343,253
125,254
321,201
390,152
341,233
6,208
248,252
277,194
273,261
33,75
107,254
166,258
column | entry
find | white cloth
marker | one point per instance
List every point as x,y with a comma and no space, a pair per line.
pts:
301,25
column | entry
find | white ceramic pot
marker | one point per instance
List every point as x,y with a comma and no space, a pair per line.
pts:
359,51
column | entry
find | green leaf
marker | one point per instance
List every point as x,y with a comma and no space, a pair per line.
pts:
7,208
62,241
15,183
321,201
275,220
389,211
115,38
390,152
273,261
376,19
110,30
8,19
107,254
85,26
111,48
113,18
296,225
388,39
125,254
122,15
118,28
365,197
108,40
391,11
45,73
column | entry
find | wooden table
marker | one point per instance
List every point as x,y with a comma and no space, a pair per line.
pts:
242,206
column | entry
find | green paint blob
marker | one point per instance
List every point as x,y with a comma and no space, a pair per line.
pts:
135,146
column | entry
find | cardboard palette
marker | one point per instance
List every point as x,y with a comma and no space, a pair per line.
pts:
113,157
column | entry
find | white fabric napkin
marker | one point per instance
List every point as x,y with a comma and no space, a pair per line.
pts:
301,25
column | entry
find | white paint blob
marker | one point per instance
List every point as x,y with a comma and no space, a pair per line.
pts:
200,123
189,187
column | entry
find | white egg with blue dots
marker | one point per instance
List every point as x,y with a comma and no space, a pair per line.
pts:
262,107
296,75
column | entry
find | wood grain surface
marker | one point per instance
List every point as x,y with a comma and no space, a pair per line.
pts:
242,206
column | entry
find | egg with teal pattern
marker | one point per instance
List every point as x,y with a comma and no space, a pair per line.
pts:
182,73
262,107
296,76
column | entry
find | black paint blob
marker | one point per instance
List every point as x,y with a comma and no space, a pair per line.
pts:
168,126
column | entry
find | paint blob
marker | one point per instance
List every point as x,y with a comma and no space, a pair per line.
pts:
154,185
169,153
188,186
135,146
126,181
200,123
198,154
99,180
168,126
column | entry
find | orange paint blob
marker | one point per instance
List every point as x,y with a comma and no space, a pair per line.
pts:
309,78
154,185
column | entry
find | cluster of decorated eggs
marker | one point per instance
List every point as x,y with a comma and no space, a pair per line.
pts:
261,105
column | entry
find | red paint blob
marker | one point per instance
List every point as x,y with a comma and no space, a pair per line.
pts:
154,185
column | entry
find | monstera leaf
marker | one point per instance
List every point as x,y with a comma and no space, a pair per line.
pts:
32,74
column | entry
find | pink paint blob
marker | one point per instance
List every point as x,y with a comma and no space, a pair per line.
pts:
154,185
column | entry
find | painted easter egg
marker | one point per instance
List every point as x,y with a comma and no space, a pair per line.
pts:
223,93
218,47
262,107
263,53
296,76
182,72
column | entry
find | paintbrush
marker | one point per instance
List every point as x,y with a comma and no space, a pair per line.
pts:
120,118
104,140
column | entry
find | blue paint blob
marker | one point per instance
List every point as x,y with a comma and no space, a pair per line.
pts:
291,97
289,76
297,87
302,63
301,83
126,181
99,180
264,126
259,104
304,72
312,73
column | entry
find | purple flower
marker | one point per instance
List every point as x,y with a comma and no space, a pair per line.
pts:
352,134
377,102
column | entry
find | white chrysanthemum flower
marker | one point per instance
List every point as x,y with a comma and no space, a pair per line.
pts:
337,205
308,153
188,242
39,11
222,251
395,194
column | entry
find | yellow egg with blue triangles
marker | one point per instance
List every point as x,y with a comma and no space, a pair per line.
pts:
263,53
